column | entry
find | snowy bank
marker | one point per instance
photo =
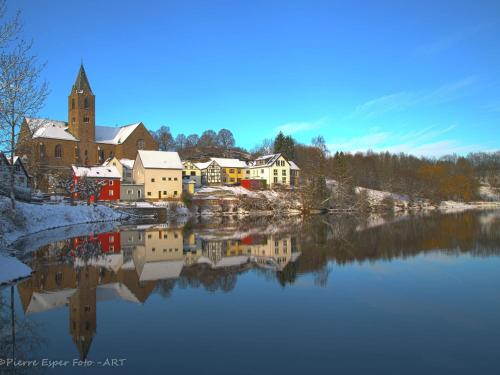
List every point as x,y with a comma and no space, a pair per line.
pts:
31,218
12,269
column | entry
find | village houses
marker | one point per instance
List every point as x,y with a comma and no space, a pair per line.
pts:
51,147
160,172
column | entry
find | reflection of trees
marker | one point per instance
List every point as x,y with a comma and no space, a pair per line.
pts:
336,239
211,279
165,287
18,336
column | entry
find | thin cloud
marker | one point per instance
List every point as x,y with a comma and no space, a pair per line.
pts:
404,100
296,127
446,42
423,142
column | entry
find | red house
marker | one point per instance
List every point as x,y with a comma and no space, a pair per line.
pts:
109,241
109,176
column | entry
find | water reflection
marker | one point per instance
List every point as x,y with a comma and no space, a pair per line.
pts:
133,262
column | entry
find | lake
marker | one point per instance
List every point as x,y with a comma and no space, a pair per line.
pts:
321,294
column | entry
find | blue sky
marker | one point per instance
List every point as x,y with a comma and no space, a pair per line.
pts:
420,77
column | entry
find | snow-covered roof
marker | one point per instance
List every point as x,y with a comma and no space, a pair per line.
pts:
160,159
127,163
265,160
45,128
44,301
55,129
230,163
293,166
113,291
103,172
232,261
184,162
114,135
169,269
203,165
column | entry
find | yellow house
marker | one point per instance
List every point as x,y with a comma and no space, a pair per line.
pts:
191,173
160,172
233,170
274,169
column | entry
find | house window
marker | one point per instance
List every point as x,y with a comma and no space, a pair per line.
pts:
164,178
129,192
275,172
193,173
111,182
164,193
284,180
149,193
152,180
58,151
275,180
140,144
41,149
231,171
175,193
175,178
283,172
262,171
170,178
85,119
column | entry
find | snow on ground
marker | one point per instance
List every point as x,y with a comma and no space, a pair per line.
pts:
31,218
12,269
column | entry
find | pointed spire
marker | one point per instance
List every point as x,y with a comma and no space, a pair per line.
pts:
82,81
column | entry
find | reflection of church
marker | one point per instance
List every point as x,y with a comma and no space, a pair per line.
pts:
128,264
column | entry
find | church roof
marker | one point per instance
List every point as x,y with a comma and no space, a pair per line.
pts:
55,129
45,128
114,135
82,81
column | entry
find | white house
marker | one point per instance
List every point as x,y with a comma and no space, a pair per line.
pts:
160,172
274,169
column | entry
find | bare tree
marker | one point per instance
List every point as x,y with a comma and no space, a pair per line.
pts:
21,93
90,187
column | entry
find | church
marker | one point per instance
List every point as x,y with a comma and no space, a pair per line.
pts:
50,147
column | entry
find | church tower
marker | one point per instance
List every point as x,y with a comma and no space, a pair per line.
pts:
81,118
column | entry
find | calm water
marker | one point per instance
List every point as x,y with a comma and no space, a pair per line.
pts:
319,295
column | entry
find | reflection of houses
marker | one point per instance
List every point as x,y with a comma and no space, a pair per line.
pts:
161,256
273,252
55,286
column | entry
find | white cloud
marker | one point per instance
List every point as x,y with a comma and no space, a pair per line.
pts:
404,100
445,42
296,127
423,142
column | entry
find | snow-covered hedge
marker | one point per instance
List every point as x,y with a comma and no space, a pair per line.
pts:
31,218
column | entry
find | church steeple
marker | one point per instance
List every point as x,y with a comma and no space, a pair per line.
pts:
82,82
81,118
